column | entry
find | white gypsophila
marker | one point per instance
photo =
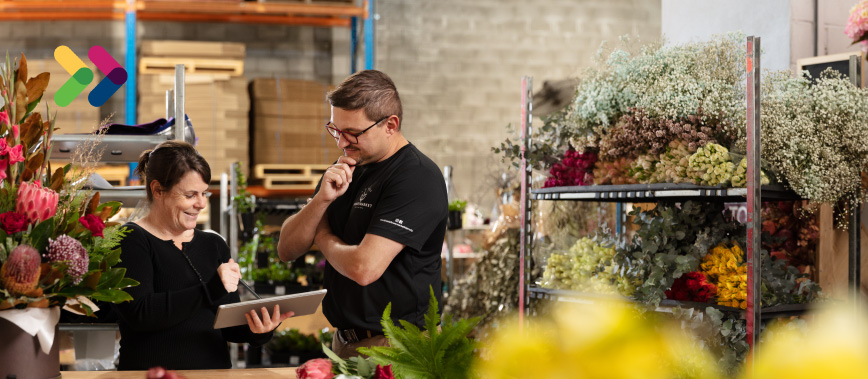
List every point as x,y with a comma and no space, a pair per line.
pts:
668,82
816,136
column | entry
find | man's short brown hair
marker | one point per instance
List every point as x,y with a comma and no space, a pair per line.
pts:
370,90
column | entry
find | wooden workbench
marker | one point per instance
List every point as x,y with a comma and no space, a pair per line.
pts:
258,373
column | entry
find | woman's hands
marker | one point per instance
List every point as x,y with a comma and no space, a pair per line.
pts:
268,322
230,274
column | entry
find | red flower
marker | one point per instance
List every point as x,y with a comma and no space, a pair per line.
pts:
13,222
161,373
93,223
692,286
384,372
319,368
16,154
4,147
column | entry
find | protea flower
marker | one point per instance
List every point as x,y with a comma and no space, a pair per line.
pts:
36,202
20,273
68,250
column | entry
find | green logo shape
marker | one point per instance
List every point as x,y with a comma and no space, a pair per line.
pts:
73,87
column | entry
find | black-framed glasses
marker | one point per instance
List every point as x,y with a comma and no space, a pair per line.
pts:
350,137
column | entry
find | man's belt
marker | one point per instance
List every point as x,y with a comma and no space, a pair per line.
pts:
354,335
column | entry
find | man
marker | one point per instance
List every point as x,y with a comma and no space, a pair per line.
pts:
378,216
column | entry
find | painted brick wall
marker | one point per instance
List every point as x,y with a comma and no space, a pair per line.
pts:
458,66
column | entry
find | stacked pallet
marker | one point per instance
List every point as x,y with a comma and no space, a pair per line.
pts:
77,117
216,98
289,119
289,176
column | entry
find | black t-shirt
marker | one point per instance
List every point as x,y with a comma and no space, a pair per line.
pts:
402,198
170,322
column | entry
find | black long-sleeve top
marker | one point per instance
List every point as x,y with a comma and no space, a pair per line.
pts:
170,321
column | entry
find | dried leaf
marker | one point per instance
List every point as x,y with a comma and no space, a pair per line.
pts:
27,174
36,292
92,280
36,86
105,214
22,69
91,206
6,304
20,102
39,304
31,129
57,179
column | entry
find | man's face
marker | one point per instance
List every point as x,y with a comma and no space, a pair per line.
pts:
370,146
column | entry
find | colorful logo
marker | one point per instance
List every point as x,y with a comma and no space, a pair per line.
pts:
115,76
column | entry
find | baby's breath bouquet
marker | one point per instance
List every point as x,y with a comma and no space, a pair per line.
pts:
56,248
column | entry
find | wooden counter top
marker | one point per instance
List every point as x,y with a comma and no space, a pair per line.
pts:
259,373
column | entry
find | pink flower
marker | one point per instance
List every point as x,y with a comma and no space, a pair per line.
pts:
92,223
3,165
37,203
15,131
4,118
16,154
320,368
4,147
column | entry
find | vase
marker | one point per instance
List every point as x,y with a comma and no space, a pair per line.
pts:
22,356
453,220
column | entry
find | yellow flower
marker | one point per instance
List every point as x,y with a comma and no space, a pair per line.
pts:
600,341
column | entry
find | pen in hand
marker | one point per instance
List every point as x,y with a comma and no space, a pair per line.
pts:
249,289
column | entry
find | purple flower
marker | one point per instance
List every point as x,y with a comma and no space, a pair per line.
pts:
70,251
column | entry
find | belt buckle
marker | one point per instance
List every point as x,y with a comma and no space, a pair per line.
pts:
350,335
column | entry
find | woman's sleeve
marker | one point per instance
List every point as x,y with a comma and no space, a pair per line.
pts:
150,310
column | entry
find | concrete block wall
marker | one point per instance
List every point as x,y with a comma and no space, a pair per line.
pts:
296,52
458,67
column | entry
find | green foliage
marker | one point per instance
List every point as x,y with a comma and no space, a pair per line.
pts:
670,242
546,145
244,202
784,284
434,353
291,340
277,270
457,205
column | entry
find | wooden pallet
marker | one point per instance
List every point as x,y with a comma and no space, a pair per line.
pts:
166,65
278,183
289,171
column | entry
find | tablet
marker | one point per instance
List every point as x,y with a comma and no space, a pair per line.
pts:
301,303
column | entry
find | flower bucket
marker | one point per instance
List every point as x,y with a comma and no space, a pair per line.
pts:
453,220
21,354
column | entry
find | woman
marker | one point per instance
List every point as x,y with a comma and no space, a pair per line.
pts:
184,273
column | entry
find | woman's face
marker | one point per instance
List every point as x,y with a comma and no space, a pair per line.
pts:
183,202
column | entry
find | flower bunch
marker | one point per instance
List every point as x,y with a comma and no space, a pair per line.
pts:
739,176
638,133
587,267
613,172
857,24
724,265
642,169
692,286
576,169
44,215
790,233
672,164
710,165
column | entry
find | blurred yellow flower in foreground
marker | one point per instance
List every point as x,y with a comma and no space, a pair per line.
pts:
835,345
599,341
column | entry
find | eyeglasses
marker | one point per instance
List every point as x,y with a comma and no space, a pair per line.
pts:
350,137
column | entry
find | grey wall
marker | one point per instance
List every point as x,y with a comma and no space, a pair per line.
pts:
690,20
458,66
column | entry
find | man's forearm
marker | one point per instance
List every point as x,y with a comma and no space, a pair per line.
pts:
298,231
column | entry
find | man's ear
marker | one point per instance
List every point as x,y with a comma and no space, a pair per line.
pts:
393,124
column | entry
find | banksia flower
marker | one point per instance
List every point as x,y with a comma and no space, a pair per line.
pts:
36,202
68,250
20,273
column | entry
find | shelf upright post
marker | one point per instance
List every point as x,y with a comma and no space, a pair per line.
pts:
854,274
525,257
170,104
233,211
369,35
130,62
754,201
179,103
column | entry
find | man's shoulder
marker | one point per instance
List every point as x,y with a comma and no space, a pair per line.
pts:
416,159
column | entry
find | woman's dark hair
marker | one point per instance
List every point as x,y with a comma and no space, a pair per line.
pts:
168,162
370,90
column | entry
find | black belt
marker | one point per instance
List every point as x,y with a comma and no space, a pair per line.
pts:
354,335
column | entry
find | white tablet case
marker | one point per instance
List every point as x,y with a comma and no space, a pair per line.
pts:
301,303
